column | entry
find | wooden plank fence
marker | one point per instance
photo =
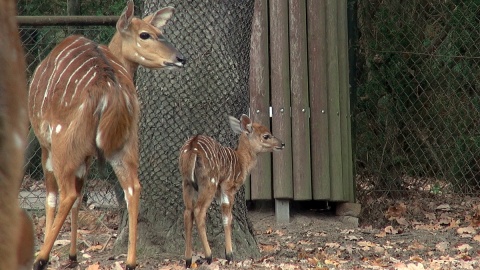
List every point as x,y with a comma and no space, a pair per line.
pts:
299,84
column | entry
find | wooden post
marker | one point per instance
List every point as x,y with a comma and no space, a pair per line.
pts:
317,69
345,121
300,106
261,187
333,85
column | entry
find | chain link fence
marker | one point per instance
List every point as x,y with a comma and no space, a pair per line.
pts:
417,108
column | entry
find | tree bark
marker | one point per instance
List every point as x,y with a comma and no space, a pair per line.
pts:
214,36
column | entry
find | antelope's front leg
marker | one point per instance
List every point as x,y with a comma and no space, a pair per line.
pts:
227,201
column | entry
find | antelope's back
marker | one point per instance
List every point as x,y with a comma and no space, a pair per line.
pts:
213,159
80,77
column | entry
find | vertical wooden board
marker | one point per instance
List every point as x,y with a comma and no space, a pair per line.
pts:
334,102
344,99
299,95
317,70
352,38
348,181
280,91
261,175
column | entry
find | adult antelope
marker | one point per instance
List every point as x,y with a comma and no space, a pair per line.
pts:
211,170
83,103
16,228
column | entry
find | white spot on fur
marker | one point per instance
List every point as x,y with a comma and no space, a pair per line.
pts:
98,139
109,84
212,180
48,164
142,58
195,149
224,199
186,150
52,199
19,142
80,108
225,220
58,128
126,198
138,45
81,171
130,191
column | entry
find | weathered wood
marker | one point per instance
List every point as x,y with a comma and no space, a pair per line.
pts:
280,91
299,96
334,101
317,69
261,187
345,128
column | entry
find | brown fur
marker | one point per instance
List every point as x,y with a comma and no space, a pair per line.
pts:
16,233
209,169
83,103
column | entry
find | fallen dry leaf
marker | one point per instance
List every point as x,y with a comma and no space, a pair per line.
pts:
464,247
442,246
466,231
93,267
395,211
444,207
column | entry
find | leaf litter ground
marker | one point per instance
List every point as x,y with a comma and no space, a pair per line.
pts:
418,233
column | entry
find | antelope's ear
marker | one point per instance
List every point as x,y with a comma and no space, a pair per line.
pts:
235,124
160,17
126,18
246,123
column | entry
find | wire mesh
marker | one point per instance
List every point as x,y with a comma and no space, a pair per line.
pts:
418,104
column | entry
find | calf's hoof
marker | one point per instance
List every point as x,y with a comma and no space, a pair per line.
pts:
188,263
229,257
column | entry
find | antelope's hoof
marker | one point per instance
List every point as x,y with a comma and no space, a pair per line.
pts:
40,265
188,263
130,267
72,262
229,257
209,259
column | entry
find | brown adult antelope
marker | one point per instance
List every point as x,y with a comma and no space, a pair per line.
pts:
83,103
211,170
16,228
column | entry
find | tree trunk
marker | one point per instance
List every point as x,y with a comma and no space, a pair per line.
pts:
214,36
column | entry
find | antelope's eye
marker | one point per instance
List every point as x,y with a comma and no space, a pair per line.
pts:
266,136
144,35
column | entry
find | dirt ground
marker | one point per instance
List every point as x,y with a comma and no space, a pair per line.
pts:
436,235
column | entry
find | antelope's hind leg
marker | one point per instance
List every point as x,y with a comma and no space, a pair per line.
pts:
189,201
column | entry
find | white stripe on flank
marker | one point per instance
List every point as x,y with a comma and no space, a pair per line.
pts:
84,74
56,64
71,76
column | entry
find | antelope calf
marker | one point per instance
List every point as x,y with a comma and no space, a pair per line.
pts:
211,170
16,228
83,103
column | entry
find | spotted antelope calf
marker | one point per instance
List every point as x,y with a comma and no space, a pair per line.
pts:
211,170
83,103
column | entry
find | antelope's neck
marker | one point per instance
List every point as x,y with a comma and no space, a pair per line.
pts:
115,47
246,155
